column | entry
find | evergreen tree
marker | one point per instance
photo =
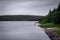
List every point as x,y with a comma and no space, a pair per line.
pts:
58,8
55,16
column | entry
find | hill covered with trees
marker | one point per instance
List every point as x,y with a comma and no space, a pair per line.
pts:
19,18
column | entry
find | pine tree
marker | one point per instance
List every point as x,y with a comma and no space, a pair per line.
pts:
58,9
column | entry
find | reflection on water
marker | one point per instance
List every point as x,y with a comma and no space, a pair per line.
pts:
21,30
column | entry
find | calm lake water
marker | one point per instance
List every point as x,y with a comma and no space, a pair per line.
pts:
21,30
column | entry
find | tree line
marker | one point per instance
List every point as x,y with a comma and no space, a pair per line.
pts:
19,18
52,17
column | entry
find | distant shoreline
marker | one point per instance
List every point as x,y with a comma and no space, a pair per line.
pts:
19,18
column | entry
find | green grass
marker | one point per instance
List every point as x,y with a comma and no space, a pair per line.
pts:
48,25
58,32
51,25
58,25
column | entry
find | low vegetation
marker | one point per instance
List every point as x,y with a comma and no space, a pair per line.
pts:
57,31
48,25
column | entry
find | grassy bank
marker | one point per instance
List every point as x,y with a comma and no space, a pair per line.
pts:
54,33
50,25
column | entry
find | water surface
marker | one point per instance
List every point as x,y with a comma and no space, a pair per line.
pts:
21,30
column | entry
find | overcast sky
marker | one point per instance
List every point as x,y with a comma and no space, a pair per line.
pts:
27,7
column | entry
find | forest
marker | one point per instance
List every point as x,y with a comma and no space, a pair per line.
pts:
19,18
52,17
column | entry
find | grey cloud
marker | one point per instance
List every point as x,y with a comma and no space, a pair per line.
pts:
27,7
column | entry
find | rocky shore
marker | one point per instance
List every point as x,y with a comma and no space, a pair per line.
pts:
52,34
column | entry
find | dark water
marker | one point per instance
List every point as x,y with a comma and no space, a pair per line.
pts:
21,30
